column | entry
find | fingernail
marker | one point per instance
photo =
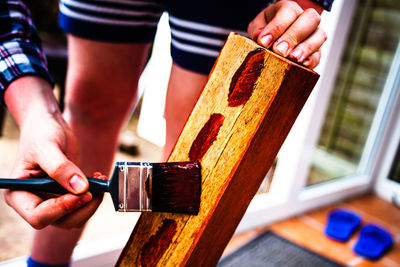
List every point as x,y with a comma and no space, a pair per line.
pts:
77,183
307,62
297,54
282,48
266,40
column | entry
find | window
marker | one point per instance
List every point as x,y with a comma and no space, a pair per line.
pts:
359,84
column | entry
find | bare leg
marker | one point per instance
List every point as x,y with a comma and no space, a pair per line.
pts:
184,88
101,91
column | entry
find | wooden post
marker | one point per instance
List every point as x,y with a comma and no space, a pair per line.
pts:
236,129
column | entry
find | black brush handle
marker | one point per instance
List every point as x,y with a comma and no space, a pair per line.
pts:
96,186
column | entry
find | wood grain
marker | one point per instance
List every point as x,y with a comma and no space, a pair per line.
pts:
237,157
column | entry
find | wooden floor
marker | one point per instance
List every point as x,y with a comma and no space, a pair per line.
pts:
307,231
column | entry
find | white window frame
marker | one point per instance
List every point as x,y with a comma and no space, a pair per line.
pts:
385,188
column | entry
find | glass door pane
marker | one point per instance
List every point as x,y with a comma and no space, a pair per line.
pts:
370,48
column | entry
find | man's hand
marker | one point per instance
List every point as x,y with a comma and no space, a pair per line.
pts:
47,147
291,30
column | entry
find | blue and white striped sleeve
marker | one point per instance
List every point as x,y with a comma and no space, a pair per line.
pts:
20,46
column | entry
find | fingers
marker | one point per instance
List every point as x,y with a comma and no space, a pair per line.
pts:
313,60
79,217
54,162
304,26
309,46
67,211
290,31
275,20
39,213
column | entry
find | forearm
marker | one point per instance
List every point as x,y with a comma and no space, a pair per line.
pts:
31,97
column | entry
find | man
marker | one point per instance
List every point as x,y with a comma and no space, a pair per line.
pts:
108,45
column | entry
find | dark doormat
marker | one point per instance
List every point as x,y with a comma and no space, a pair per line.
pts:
269,250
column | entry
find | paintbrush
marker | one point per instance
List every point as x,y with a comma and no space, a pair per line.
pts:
136,186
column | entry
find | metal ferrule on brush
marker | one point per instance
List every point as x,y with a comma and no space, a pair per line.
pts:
135,194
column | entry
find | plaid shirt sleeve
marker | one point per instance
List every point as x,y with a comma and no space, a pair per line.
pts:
20,46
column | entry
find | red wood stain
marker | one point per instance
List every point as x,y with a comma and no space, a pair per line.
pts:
244,79
206,137
158,243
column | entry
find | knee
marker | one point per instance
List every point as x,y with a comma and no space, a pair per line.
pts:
100,109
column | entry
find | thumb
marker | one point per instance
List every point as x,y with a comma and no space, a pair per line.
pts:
56,164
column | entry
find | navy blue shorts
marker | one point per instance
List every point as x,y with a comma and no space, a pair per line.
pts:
199,28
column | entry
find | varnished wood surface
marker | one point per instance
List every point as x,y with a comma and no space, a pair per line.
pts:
237,127
307,231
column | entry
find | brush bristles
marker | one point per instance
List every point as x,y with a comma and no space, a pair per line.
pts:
176,187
